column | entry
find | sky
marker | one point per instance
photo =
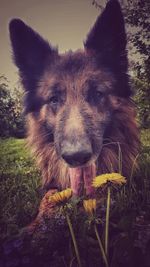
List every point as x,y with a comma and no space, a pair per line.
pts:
64,23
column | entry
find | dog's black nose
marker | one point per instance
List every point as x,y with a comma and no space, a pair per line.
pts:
77,159
76,154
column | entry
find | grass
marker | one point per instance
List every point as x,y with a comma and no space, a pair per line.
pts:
14,156
20,184
145,138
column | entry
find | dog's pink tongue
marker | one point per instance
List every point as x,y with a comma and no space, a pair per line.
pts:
81,178
88,174
76,181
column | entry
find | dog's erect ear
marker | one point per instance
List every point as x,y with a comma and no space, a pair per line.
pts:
107,38
31,52
107,41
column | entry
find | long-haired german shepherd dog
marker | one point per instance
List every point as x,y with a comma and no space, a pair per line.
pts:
80,117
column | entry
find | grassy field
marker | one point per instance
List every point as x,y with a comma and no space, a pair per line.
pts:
20,184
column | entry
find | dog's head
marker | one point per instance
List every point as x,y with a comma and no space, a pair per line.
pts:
74,95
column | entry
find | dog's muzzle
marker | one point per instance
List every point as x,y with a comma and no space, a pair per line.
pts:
77,153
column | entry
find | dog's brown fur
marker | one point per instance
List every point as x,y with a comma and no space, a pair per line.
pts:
82,98
122,143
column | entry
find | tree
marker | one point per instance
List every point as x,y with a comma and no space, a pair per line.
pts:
11,118
137,16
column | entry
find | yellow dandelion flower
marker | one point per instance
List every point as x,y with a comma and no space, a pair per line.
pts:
114,178
89,205
61,196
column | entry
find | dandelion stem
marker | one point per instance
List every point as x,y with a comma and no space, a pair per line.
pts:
131,184
101,246
119,158
107,221
74,240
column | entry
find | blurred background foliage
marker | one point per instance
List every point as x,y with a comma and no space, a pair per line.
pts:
11,115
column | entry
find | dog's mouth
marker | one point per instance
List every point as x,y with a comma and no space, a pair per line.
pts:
81,162
81,179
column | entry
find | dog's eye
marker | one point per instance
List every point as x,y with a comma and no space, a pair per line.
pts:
95,96
54,100
99,94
